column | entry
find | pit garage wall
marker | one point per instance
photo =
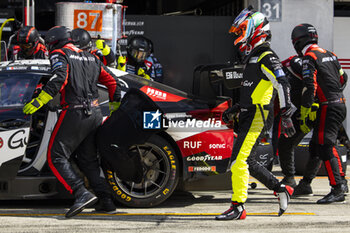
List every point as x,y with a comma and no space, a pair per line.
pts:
319,13
341,38
183,42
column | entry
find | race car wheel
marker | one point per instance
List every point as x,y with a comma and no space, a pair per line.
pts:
160,175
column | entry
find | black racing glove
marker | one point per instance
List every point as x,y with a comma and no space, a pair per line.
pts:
287,126
230,113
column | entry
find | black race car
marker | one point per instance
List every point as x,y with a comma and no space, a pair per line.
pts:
195,144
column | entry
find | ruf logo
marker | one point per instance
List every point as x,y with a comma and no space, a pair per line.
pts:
152,120
1,142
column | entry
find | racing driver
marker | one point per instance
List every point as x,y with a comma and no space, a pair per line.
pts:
75,74
262,74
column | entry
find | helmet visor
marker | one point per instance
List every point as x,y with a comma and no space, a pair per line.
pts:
27,49
26,46
242,31
138,55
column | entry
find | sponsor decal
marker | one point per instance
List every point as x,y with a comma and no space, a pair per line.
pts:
76,57
327,59
115,188
192,144
17,68
263,160
203,158
217,146
152,120
160,95
156,93
233,75
246,83
17,140
202,169
171,157
213,142
13,144
44,68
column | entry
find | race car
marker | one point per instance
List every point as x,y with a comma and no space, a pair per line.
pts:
195,144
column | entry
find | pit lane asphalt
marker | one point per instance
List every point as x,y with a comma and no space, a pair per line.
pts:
184,212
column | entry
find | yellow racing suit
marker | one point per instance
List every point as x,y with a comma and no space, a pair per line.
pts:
262,78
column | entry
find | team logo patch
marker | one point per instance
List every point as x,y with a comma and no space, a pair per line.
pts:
57,65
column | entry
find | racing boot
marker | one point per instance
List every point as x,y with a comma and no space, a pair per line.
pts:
283,194
83,199
303,189
290,181
336,195
235,212
106,205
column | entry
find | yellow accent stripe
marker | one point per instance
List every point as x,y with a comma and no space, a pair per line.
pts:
150,214
262,93
264,54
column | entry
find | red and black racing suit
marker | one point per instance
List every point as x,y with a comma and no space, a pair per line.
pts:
324,77
262,75
75,75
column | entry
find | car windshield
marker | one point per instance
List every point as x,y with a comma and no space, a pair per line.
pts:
17,89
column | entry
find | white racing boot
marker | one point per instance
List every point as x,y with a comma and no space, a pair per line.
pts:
284,194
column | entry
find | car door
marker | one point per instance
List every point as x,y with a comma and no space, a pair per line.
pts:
16,88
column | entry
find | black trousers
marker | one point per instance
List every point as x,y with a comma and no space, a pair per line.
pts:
286,149
327,125
74,134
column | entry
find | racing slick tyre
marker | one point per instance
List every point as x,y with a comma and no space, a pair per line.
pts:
160,175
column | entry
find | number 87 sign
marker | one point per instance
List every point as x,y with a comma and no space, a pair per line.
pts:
90,20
